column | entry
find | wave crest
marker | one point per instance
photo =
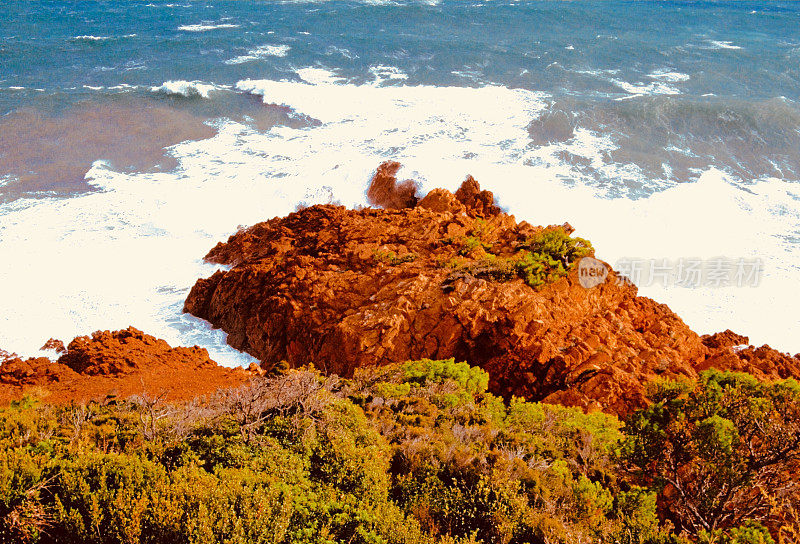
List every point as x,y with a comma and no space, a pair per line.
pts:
187,89
203,27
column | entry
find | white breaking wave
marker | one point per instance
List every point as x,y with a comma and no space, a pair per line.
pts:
722,44
129,253
346,53
318,76
91,38
206,27
656,87
188,89
383,73
598,72
666,75
371,2
261,52
660,86
124,87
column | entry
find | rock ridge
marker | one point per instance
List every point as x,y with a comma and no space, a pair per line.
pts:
117,364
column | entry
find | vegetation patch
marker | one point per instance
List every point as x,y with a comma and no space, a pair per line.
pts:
393,259
417,452
543,258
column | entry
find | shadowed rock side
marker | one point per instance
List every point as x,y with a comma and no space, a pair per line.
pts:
343,289
118,364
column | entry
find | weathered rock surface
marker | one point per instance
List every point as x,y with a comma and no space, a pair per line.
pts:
122,352
120,363
33,371
347,288
731,351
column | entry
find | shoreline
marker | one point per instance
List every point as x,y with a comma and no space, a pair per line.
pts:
427,276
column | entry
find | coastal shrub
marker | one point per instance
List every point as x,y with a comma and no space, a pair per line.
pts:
635,509
556,244
471,379
475,241
751,532
23,519
100,498
418,452
472,243
549,255
495,471
721,447
541,259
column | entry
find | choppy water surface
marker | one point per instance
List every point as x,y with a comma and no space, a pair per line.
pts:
134,135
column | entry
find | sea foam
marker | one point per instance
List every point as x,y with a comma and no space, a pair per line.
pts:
128,253
204,27
722,44
666,75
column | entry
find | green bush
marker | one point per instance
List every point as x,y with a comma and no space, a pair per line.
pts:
549,255
418,452
719,446
541,259
471,379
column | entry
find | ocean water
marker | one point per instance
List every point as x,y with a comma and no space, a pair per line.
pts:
134,135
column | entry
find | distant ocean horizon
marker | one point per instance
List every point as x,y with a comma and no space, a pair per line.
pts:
135,135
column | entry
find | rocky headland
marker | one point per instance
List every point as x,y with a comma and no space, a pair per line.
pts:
437,276
394,297
450,275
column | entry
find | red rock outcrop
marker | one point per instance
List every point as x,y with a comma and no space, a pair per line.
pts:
731,351
347,288
120,363
55,345
33,371
122,352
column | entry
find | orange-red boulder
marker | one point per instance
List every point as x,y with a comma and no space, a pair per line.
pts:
731,351
122,352
34,371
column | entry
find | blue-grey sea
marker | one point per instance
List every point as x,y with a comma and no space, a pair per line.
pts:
136,134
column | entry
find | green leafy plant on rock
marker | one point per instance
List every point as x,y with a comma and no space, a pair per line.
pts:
543,258
551,254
